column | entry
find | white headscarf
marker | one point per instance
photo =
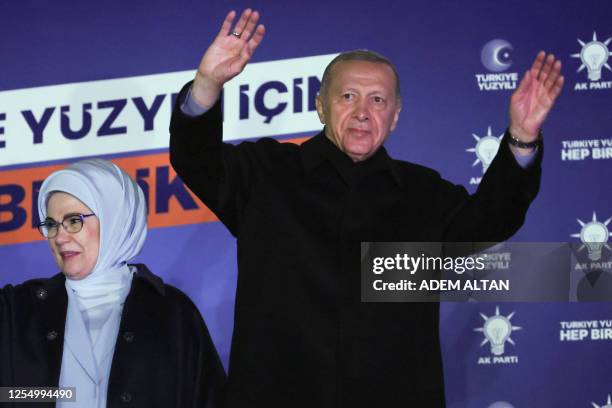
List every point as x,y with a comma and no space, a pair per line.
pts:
117,201
90,336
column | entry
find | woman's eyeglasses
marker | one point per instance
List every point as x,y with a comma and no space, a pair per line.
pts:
72,223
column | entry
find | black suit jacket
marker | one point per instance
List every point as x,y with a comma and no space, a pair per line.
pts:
302,337
164,356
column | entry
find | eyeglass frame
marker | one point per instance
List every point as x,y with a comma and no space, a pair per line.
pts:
57,224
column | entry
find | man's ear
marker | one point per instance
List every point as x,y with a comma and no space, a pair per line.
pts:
396,117
320,110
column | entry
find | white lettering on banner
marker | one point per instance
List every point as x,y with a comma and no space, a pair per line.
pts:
584,86
586,330
88,118
274,98
498,360
497,82
578,150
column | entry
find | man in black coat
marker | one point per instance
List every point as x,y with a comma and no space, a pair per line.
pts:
302,338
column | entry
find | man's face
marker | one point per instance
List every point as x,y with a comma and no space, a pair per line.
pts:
360,107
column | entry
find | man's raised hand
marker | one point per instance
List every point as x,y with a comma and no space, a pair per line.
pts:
535,97
227,56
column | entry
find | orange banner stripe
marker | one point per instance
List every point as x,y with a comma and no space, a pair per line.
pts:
151,169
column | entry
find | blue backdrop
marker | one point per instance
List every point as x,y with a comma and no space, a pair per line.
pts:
458,63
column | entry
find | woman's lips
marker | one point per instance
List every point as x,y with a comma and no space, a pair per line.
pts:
68,254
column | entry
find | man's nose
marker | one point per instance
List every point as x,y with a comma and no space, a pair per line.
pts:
362,112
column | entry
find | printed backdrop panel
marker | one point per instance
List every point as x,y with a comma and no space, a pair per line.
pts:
91,79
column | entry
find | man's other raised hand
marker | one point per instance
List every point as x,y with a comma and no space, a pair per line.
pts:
535,97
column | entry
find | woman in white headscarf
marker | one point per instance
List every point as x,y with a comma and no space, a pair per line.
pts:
112,330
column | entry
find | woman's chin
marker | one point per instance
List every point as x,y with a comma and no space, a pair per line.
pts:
75,275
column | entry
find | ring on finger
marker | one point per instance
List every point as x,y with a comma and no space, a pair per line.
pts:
236,34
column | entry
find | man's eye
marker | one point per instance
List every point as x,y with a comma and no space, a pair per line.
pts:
378,99
348,96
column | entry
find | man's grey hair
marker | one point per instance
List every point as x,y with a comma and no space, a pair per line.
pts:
359,55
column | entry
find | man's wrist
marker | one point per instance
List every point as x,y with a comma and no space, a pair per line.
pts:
520,154
190,107
516,140
205,92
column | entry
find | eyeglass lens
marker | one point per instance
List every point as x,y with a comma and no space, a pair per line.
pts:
72,223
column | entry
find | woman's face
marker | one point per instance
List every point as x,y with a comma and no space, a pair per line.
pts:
75,253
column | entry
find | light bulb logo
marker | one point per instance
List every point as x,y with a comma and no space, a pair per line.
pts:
608,404
594,236
486,148
497,330
594,56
